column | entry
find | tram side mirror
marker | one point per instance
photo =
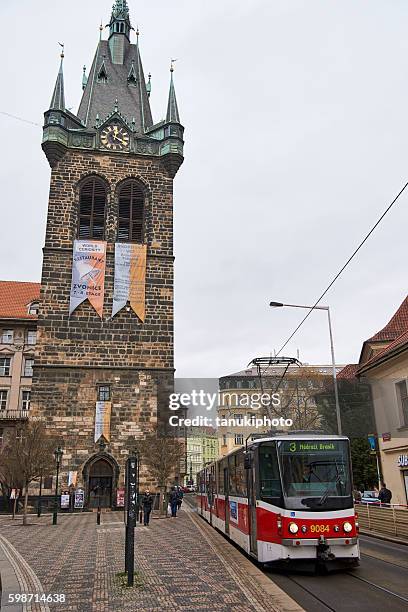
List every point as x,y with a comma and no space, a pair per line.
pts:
248,461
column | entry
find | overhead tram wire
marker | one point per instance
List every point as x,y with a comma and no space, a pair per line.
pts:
343,268
19,118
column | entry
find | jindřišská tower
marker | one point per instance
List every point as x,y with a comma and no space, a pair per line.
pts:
104,359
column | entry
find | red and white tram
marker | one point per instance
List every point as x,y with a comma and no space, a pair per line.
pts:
285,498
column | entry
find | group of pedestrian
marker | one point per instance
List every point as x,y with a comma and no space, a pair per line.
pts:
384,495
175,501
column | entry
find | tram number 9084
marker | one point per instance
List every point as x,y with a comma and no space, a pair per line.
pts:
319,528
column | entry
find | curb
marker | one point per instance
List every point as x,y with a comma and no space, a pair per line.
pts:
381,536
9,584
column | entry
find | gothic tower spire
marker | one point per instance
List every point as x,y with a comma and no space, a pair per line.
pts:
58,97
172,109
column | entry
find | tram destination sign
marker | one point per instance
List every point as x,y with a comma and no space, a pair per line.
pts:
311,446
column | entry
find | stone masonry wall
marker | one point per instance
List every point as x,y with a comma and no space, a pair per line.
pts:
76,354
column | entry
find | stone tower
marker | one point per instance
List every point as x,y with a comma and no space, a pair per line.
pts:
104,361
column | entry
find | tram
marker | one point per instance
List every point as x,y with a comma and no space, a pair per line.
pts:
285,498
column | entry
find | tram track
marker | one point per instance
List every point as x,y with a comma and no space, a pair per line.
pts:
377,586
385,561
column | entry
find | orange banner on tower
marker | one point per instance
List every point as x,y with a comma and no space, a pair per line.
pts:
130,278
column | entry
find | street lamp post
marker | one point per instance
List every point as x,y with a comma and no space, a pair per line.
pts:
58,456
40,497
336,392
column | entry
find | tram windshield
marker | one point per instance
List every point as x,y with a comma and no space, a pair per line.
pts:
315,474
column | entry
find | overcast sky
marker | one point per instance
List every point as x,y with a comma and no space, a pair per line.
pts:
296,140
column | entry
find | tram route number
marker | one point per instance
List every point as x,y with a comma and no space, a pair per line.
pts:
319,528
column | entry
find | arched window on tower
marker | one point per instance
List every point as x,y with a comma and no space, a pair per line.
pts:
131,212
92,205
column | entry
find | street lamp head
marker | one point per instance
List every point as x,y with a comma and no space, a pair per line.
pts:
276,304
58,455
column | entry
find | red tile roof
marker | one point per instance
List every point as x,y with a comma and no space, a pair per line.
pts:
386,352
395,327
348,372
15,297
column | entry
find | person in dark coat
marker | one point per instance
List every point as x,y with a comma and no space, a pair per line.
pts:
385,494
173,498
180,496
147,505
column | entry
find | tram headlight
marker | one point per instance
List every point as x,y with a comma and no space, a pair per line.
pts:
293,528
336,528
347,527
303,528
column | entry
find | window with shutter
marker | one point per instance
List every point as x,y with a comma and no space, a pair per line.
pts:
131,212
92,205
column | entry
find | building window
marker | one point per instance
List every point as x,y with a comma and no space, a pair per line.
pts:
25,400
28,367
92,204
33,308
224,440
131,212
104,393
239,439
5,364
3,399
31,336
402,394
7,336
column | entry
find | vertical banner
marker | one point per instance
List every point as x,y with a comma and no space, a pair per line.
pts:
130,278
102,420
88,274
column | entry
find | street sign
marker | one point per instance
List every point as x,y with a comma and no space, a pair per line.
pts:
372,440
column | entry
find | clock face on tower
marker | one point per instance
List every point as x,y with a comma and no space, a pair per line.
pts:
115,138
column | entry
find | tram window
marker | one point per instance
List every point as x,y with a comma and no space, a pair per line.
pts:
241,475
269,477
221,466
232,475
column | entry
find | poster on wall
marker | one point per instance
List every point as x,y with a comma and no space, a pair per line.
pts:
65,498
120,498
88,274
130,278
79,499
102,420
72,478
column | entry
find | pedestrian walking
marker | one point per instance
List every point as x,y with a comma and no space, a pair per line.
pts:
180,496
173,501
385,494
147,504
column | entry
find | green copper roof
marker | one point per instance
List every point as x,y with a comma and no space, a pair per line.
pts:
58,97
172,109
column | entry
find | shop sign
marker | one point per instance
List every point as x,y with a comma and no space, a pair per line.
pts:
386,436
403,461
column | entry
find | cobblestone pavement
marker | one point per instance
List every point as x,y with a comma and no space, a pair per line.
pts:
182,564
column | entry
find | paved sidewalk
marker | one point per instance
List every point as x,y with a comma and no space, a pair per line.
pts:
182,564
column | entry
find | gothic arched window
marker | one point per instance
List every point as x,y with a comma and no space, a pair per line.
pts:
131,212
92,204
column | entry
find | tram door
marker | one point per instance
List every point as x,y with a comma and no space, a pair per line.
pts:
252,509
227,506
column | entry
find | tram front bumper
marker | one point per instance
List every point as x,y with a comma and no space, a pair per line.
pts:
315,542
